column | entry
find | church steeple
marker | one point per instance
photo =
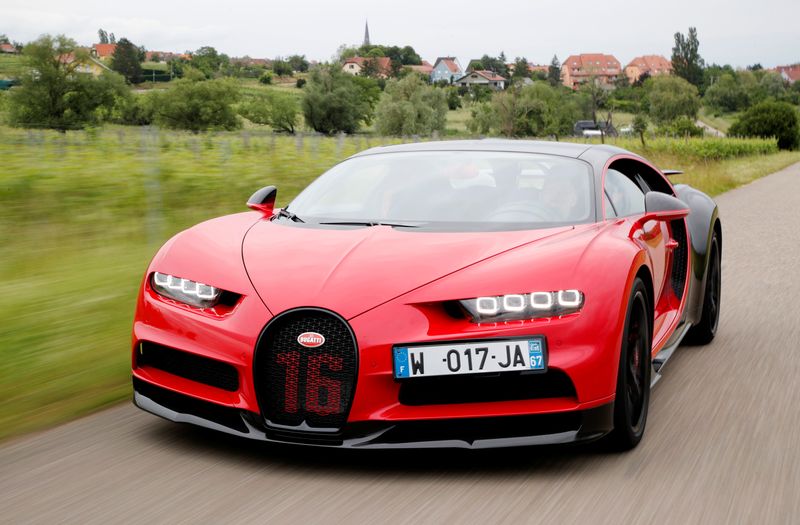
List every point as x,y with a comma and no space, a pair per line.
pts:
366,34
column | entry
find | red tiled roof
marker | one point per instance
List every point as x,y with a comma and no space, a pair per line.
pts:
491,76
104,50
384,63
8,48
791,73
450,62
592,64
647,63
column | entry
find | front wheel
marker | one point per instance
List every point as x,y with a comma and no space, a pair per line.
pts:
633,376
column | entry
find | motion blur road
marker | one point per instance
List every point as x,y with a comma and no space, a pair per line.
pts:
722,442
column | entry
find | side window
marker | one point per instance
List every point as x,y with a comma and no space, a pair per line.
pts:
626,196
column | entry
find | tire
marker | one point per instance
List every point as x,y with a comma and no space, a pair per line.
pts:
633,376
705,330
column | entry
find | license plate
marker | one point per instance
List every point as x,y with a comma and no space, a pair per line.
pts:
473,357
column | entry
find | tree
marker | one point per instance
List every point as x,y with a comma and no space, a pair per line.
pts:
282,68
534,110
410,107
4,39
554,72
686,60
53,94
521,68
197,106
112,39
102,36
298,63
278,110
770,119
640,126
595,94
125,61
726,94
336,102
209,61
670,97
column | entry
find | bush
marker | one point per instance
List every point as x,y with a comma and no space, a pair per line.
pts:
197,106
337,102
266,78
681,127
712,148
300,83
453,99
411,107
770,119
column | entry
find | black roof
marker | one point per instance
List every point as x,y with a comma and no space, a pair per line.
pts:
564,149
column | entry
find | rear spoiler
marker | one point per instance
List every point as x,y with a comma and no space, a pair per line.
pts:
671,172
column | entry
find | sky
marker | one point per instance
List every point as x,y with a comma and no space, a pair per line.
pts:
733,32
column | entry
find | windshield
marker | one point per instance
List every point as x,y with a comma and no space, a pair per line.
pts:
466,189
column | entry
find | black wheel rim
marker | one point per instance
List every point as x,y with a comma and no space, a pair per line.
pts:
636,363
714,289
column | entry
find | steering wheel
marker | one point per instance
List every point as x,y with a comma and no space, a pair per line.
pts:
520,212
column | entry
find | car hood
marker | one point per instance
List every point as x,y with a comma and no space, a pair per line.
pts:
352,270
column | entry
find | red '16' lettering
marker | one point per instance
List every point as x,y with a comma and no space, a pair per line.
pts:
315,383
292,362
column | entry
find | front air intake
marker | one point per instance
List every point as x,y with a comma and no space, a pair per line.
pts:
305,370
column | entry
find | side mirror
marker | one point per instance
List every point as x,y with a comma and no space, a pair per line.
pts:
662,207
263,200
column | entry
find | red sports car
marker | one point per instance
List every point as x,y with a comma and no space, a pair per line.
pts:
444,294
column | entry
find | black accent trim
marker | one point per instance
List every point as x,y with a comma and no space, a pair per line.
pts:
473,433
190,366
503,386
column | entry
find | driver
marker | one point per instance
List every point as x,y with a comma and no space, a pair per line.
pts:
560,193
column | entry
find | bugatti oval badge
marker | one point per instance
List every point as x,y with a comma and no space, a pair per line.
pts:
311,339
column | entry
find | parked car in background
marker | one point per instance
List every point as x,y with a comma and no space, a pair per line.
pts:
590,128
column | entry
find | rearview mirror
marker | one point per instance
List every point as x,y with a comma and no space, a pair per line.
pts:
263,200
662,207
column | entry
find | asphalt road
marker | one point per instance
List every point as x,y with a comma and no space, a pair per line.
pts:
722,443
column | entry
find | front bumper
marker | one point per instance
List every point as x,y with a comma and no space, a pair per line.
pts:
469,433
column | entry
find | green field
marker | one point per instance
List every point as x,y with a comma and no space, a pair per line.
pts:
82,213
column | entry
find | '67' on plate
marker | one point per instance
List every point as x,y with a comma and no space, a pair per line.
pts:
470,358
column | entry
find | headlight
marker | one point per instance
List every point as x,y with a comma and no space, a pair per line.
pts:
514,307
185,291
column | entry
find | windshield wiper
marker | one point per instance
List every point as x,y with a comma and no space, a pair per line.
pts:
369,223
289,215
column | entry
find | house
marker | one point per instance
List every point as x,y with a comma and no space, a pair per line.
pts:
578,69
790,74
8,48
103,50
446,68
653,65
355,66
424,69
85,64
482,78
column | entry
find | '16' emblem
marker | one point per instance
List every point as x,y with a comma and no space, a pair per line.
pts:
311,339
